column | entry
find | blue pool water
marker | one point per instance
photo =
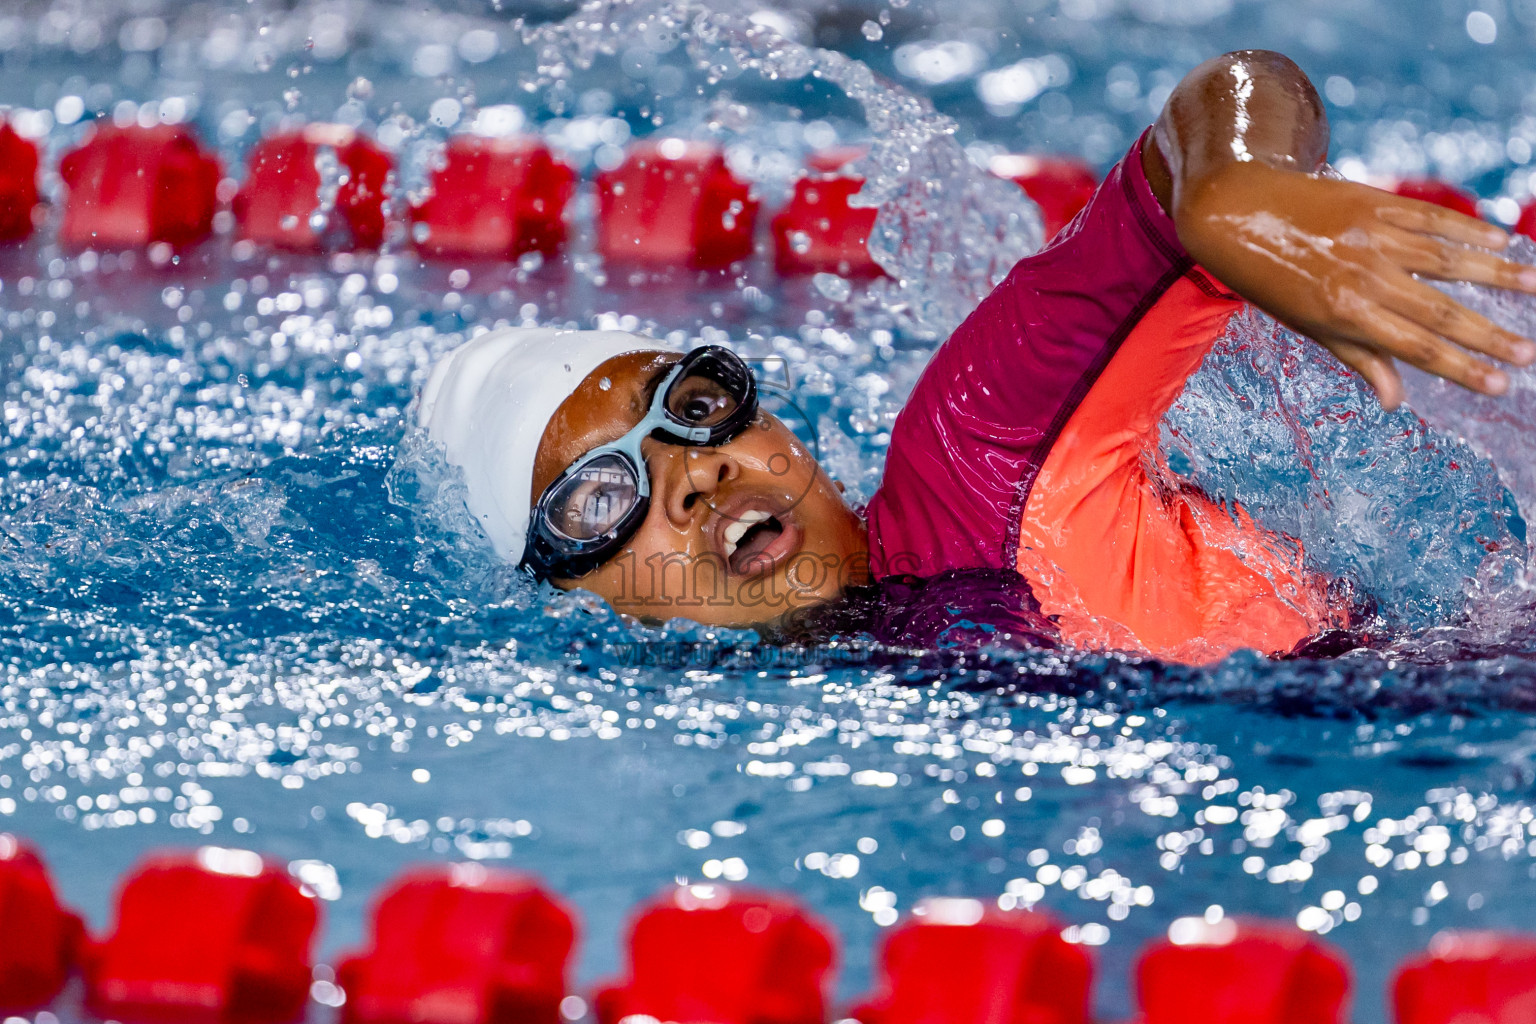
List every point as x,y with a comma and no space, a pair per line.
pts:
233,612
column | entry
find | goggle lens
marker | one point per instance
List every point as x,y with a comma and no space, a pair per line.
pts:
701,401
594,500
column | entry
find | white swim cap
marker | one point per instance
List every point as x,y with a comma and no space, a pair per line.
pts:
488,401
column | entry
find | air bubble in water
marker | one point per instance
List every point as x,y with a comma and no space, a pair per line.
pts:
872,31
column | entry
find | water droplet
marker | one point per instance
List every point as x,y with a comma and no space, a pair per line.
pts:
833,287
445,112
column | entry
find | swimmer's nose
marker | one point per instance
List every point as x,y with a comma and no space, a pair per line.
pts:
687,478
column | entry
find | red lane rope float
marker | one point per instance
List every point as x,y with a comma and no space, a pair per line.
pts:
818,230
674,203
727,956
18,184
1526,225
219,936
671,203
1059,185
131,186
213,935
287,203
1240,972
958,961
1430,190
1467,977
39,940
461,944
494,198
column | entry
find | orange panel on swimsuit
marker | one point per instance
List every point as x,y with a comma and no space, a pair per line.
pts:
1121,552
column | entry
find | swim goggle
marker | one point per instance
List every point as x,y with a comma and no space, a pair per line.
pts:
595,506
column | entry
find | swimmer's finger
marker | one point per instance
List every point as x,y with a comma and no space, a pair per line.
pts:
1441,315
1429,219
1379,371
1435,259
1403,339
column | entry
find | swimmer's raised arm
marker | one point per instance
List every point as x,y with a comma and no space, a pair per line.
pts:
1237,152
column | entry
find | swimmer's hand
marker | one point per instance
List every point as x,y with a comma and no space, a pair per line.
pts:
1238,148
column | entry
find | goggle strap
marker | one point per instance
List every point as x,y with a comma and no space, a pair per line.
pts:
673,432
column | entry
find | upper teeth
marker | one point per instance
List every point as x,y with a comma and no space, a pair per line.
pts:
735,531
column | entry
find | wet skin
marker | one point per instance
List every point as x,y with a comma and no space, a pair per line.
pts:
807,547
1237,152
1234,159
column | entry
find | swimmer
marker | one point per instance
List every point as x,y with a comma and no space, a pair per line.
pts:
1026,454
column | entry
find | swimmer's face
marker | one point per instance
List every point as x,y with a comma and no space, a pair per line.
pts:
737,535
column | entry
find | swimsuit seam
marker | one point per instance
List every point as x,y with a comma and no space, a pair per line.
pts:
1144,220
1040,451
1201,279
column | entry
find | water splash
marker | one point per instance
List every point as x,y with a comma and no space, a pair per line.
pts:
1411,517
940,265
1500,428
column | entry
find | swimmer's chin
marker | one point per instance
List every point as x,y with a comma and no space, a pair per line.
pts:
779,627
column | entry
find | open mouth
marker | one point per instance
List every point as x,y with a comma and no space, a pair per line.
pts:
750,540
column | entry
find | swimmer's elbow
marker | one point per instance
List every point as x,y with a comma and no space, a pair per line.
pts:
1242,106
